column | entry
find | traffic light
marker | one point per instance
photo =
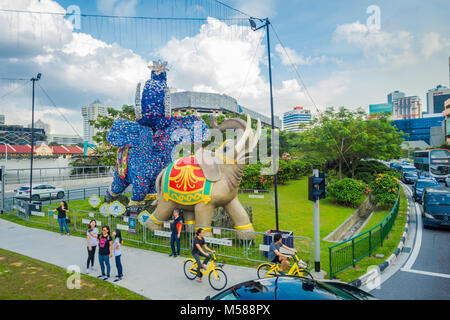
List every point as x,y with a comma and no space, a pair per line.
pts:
316,187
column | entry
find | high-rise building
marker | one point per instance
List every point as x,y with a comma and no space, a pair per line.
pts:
41,125
91,112
394,95
436,98
15,134
297,120
2,119
407,107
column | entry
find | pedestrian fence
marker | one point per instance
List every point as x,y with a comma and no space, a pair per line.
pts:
228,243
349,252
249,196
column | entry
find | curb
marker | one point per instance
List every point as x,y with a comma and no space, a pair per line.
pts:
376,272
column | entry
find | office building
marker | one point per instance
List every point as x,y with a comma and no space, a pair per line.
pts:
407,108
201,103
394,95
64,139
91,112
447,120
15,134
436,98
427,129
2,119
297,120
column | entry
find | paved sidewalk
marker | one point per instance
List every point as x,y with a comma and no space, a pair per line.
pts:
151,274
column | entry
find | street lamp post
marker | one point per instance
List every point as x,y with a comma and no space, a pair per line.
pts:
254,28
32,135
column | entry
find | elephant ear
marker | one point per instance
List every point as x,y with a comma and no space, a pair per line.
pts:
209,164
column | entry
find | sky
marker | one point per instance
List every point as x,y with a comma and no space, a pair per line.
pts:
334,53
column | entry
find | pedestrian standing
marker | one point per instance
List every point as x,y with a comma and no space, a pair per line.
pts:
63,212
105,252
177,224
92,242
117,247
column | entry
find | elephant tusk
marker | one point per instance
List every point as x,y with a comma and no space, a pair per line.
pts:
248,130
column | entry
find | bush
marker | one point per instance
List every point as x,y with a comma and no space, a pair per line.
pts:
366,177
253,179
300,168
349,192
285,172
385,190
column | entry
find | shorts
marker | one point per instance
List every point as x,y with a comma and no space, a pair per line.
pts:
276,259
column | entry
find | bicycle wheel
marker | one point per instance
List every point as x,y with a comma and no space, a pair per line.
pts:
220,282
190,269
304,273
264,270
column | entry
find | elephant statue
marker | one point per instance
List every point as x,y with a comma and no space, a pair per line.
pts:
200,183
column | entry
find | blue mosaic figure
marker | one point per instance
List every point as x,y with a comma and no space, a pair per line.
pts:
146,146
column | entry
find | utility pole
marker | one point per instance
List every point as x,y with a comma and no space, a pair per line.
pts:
316,229
32,135
274,160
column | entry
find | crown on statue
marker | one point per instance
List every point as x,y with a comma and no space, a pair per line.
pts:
158,67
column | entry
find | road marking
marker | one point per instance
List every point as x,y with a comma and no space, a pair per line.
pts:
417,242
433,274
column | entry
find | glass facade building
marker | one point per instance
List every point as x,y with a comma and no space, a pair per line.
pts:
297,120
436,98
418,129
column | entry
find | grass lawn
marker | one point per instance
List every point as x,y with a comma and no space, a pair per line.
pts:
23,278
389,244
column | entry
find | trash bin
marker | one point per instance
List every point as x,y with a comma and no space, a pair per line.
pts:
287,239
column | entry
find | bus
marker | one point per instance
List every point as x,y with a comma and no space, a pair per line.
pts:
435,162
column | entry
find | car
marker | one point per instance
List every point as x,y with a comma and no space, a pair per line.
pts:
40,191
292,288
426,175
447,182
406,168
409,177
395,165
420,185
436,207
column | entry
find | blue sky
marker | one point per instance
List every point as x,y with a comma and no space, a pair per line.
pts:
342,60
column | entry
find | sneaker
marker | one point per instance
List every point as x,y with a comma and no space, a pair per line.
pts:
105,278
87,271
117,279
282,273
198,279
100,276
93,268
171,255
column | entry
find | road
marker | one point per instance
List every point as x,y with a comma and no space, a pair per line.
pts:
422,270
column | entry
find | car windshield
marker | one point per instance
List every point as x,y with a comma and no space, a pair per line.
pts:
24,188
410,174
438,199
424,184
413,169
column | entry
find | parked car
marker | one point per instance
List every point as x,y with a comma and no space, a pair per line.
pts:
447,182
406,168
420,185
409,177
292,288
40,191
436,207
395,165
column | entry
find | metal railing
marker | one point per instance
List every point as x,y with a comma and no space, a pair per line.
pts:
229,243
42,175
349,252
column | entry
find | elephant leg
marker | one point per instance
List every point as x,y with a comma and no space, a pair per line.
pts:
203,217
240,218
163,212
117,187
188,219
140,190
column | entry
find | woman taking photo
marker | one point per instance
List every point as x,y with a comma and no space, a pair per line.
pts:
91,236
63,211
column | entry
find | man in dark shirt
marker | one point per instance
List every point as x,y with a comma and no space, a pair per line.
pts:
197,251
177,224
276,256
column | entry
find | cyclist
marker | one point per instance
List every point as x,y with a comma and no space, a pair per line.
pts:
276,256
197,251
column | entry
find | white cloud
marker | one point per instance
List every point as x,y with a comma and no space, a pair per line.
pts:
394,49
289,56
433,43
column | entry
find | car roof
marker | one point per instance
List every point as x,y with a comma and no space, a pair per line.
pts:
292,288
409,167
438,189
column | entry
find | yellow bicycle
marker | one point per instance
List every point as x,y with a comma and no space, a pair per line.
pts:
267,269
216,276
